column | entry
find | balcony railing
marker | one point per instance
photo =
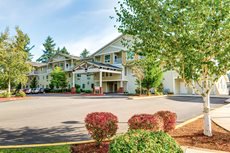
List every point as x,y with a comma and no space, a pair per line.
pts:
117,61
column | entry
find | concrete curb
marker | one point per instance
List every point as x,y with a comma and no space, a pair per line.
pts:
188,121
45,145
145,97
227,101
189,149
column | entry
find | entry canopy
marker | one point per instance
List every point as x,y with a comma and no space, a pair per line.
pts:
92,67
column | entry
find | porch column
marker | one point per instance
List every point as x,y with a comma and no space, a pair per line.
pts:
100,82
121,89
73,89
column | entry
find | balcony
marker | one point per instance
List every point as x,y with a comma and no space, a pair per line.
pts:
34,73
117,61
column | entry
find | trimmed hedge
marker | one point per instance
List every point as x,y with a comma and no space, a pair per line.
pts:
169,120
142,141
5,94
101,125
146,122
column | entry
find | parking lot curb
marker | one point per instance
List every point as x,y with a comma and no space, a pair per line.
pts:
145,97
44,145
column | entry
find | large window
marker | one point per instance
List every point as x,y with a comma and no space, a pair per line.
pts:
129,55
107,58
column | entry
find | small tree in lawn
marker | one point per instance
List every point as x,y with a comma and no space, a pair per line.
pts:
34,83
190,37
58,78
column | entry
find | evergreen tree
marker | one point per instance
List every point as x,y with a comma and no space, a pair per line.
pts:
34,83
49,50
25,40
64,51
84,53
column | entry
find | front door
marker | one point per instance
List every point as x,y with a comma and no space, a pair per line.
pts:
115,87
110,86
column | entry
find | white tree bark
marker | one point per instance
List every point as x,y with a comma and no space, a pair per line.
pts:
207,117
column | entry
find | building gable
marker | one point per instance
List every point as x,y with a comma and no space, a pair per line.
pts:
114,46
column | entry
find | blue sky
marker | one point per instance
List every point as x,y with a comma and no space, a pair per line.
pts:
76,24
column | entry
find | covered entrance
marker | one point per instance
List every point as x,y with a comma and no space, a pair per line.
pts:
107,78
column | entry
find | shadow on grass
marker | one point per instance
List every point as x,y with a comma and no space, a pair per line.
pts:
27,135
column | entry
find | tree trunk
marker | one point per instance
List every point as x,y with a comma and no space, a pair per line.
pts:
140,88
207,117
9,86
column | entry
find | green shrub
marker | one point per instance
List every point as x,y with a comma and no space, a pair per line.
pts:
141,141
78,90
20,94
5,95
88,91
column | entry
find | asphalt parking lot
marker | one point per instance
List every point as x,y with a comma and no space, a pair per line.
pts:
52,118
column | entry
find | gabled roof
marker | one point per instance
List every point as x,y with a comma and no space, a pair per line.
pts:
97,65
104,65
107,45
36,64
65,55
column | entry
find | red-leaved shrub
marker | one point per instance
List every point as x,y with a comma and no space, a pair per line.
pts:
101,125
169,119
146,122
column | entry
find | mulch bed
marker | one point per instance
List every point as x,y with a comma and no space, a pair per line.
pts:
188,135
90,148
12,99
192,135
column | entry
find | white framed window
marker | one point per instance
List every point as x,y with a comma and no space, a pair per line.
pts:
107,58
129,55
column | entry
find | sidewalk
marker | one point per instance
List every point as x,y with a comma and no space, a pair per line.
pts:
200,150
221,117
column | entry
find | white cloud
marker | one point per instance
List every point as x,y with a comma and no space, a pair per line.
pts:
91,43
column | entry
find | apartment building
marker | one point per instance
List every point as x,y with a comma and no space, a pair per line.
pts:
106,70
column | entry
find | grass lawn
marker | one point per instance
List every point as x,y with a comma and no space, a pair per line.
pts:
52,149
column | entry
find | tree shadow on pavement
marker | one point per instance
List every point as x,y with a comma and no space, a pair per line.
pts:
27,135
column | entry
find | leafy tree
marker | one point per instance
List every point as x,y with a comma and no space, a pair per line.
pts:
148,73
59,79
24,39
190,37
13,58
34,83
84,53
49,50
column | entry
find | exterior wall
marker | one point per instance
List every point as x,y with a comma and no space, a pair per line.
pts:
86,80
131,84
169,81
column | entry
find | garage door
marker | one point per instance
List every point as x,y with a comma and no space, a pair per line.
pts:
183,88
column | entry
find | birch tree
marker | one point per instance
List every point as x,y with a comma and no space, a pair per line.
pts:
191,37
13,58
